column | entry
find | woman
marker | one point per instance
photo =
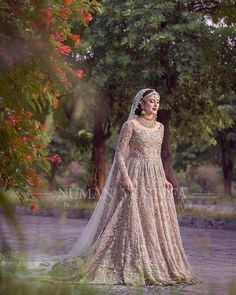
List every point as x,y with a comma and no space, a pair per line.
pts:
133,236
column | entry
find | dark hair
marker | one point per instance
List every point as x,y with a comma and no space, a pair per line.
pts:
139,108
147,92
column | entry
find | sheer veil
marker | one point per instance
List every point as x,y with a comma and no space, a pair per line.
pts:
103,211
105,205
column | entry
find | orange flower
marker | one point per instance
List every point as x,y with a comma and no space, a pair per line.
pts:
67,1
47,16
40,145
30,156
34,207
36,196
24,138
55,159
37,179
75,38
56,93
30,172
64,49
65,13
46,13
43,127
28,115
79,73
87,16
33,178
59,37
14,120
56,103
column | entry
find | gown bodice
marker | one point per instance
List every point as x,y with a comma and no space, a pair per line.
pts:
146,143
141,144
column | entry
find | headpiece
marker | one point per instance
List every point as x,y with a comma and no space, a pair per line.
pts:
138,97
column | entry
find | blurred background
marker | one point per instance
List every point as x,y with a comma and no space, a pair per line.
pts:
69,70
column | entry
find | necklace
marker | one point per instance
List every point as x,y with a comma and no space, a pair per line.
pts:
150,123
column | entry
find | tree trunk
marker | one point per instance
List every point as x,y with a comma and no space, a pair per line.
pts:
98,163
52,177
167,157
226,147
101,133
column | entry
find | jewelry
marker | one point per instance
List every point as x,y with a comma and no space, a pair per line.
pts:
143,112
151,93
150,123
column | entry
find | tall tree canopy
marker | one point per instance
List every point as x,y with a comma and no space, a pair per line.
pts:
168,45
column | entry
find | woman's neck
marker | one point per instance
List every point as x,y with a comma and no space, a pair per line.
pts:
148,116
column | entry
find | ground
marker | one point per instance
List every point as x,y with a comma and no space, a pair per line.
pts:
212,253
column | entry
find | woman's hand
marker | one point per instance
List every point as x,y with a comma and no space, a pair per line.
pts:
128,184
168,185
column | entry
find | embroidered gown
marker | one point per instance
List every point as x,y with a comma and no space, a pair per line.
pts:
141,243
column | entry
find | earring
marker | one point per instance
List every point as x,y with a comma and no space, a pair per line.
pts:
143,112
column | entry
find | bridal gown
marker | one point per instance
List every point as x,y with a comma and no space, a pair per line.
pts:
141,243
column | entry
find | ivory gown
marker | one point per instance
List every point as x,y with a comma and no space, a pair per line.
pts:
141,243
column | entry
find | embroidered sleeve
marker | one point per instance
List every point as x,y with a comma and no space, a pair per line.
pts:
123,142
162,171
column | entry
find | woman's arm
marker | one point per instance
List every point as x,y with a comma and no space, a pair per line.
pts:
123,142
161,168
162,171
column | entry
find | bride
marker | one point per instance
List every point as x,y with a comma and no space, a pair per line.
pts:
133,236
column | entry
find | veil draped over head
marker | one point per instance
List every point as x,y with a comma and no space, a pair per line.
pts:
105,207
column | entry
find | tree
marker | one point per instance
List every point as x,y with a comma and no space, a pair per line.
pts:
226,139
36,38
164,45
222,73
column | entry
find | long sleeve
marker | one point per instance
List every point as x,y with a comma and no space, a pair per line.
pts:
162,171
123,142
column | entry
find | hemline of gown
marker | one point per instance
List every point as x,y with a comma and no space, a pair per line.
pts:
80,278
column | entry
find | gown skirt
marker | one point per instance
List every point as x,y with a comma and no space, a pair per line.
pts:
141,244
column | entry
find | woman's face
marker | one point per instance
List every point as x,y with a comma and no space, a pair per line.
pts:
151,104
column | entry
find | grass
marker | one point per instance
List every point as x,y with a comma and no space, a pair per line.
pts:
205,213
49,201
83,204
206,196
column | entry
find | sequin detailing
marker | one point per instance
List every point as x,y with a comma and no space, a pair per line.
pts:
141,242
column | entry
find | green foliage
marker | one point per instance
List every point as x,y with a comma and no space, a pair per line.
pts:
16,278
36,38
225,11
186,154
72,144
170,46
72,136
